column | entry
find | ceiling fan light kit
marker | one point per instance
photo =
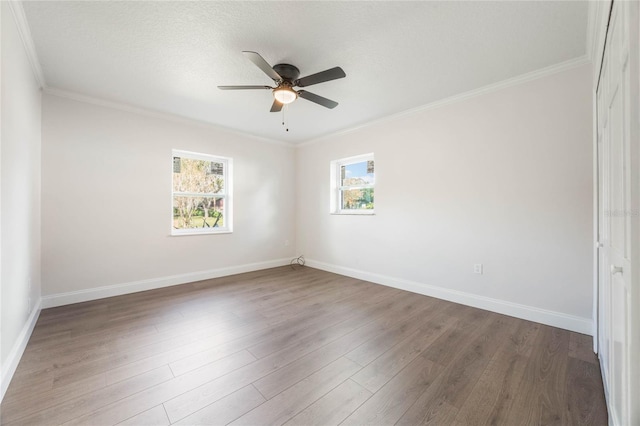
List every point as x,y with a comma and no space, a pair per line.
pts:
285,94
285,77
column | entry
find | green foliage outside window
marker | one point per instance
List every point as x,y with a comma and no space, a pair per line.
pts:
195,185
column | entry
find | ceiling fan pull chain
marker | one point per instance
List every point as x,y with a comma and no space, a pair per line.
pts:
284,120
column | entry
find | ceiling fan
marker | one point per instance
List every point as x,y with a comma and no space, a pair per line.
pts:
285,77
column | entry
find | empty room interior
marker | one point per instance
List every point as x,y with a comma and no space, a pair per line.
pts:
320,213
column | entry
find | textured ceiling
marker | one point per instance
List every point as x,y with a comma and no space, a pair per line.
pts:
170,56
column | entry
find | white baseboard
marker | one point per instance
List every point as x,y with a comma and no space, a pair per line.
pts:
68,298
9,368
530,313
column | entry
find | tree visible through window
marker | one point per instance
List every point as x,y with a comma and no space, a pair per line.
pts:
352,185
200,193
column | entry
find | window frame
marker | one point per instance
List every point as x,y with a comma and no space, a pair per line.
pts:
225,194
337,188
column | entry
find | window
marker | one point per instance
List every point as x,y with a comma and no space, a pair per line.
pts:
352,185
201,194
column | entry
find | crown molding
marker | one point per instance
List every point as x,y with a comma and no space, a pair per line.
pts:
534,75
524,78
122,106
25,34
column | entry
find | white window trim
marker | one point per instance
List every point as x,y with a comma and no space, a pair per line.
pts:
334,197
227,194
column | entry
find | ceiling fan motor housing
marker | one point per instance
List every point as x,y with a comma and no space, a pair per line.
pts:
288,72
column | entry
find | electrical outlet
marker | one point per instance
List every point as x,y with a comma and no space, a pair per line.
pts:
477,268
286,243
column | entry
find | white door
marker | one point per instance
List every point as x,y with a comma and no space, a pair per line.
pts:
615,213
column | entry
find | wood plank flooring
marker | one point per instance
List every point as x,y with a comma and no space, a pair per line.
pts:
298,347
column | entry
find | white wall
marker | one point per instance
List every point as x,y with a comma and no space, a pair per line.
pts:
20,194
106,200
503,179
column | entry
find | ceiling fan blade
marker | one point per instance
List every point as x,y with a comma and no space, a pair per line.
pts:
321,77
262,64
317,99
243,87
276,107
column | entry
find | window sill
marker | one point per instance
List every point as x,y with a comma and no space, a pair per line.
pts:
354,213
187,234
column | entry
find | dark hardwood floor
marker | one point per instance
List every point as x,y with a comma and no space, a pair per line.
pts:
301,347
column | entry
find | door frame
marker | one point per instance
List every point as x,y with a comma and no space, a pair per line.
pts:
599,16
